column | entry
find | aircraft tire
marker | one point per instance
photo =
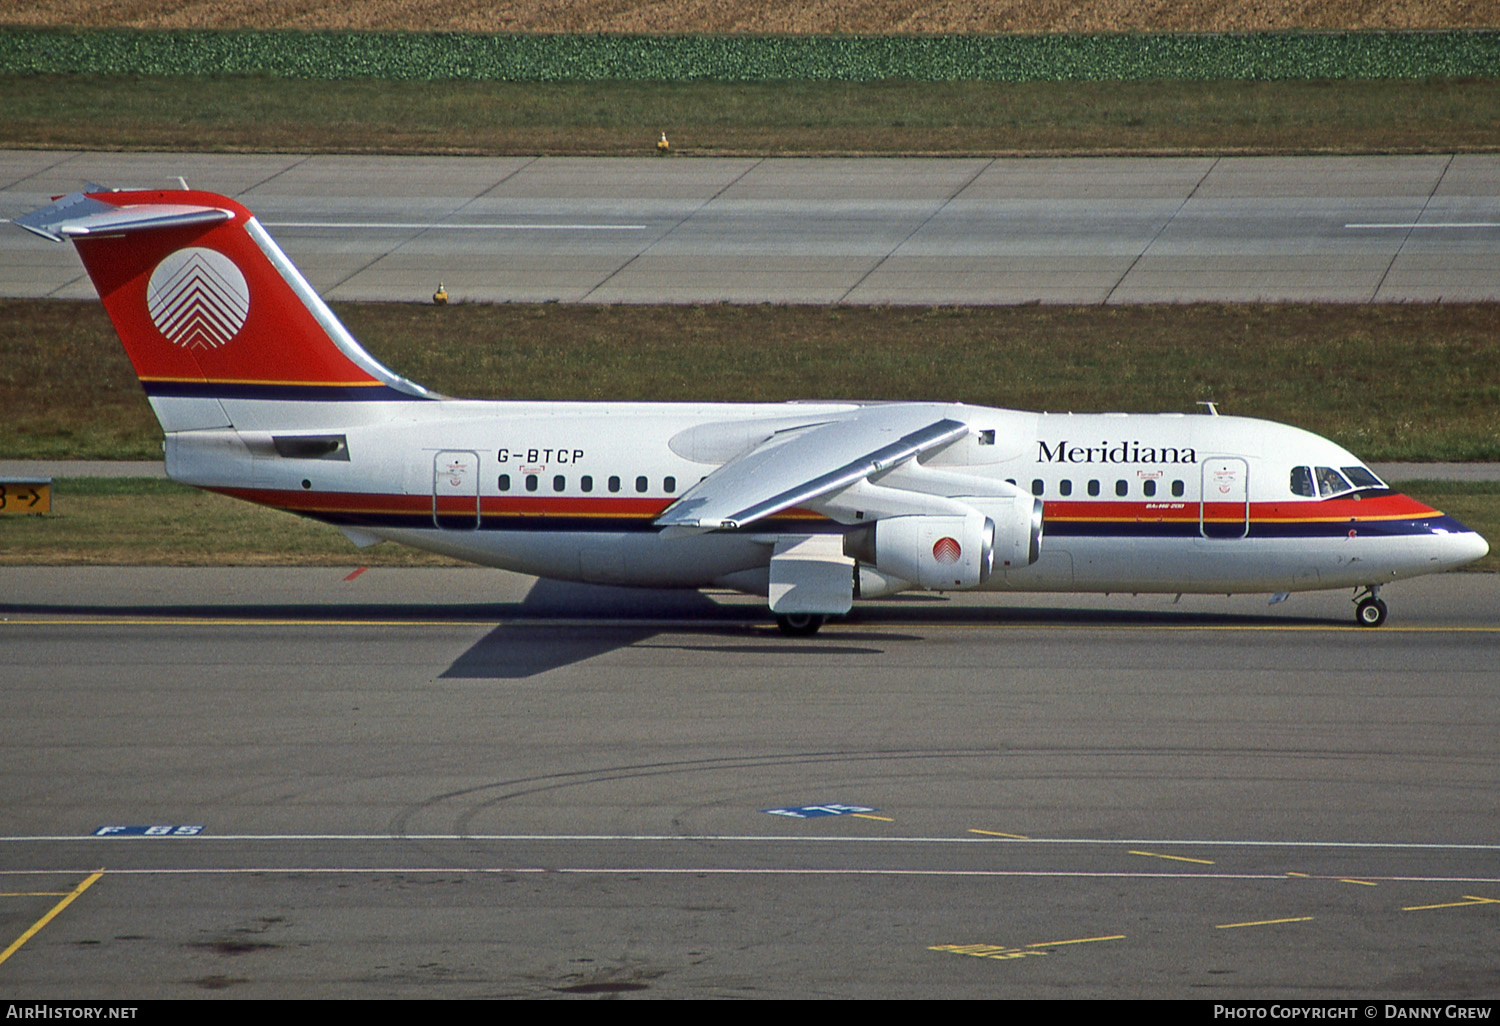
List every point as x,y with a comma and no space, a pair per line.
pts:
799,625
1370,613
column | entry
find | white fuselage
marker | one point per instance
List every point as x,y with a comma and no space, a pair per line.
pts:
1162,502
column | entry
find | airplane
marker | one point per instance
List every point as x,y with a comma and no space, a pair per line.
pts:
263,395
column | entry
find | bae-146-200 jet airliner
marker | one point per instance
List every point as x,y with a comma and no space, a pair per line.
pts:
264,396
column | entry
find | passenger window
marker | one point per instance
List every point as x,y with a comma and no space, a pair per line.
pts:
1065,488
1036,487
1177,489
559,483
641,484
1302,482
1149,487
1122,488
669,485
614,483
505,482
1094,488
586,483
531,482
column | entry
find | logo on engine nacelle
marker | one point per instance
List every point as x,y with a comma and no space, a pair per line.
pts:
197,298
946,550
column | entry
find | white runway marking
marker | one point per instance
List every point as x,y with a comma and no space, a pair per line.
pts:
1429,224
772,839
417,226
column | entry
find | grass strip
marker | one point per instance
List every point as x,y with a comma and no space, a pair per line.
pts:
262,114
148,522
1246,56
152,522
1390,382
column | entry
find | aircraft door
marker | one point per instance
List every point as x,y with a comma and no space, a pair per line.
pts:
1224,511
455,490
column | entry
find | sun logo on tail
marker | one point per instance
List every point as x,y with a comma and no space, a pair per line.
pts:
197,298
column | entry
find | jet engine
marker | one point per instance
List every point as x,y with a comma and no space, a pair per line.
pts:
1018,528
952,552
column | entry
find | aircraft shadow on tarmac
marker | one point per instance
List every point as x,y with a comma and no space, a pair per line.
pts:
520,649
560,624
524,649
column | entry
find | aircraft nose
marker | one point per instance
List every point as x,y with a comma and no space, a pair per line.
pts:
1462,547
1477,547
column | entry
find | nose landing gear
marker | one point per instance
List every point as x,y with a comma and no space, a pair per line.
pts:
1369,611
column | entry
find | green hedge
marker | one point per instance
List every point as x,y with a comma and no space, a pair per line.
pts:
389,55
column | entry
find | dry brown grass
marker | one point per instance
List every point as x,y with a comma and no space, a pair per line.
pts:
147,522
762,16
1390,382
770,118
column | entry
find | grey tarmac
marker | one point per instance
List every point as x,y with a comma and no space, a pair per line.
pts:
873,230
466,783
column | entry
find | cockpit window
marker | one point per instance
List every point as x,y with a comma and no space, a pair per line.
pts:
1331,482
1323,482
1302,483
1362,478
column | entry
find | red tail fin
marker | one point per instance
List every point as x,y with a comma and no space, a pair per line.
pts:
207,305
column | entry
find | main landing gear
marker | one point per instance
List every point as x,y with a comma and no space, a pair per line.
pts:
1369,611
799,625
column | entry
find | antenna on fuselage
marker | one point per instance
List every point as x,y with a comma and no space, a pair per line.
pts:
1210,407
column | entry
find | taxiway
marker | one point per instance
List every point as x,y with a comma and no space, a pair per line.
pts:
1110,230
467,783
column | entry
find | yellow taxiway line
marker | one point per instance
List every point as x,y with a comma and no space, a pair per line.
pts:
1174,858
40,923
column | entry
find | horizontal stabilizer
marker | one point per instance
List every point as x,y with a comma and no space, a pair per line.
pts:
78,215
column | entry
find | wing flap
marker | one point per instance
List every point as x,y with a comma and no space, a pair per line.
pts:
799,466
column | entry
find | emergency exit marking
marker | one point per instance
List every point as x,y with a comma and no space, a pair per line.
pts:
814,811
186,830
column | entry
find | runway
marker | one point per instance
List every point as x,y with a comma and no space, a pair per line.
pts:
464,783
1110,230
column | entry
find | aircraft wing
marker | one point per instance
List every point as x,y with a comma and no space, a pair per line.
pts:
800,464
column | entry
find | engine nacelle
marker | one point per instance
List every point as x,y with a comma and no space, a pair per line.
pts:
870,583
1018,528
939,553
953,551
